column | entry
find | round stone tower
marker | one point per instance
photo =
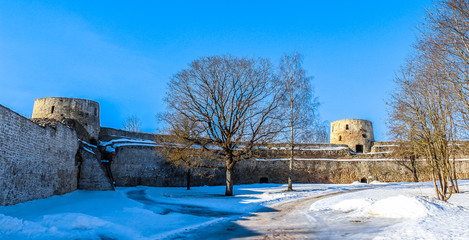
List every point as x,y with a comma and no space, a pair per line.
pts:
80,114
356,133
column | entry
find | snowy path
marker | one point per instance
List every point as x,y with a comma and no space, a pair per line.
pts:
287,220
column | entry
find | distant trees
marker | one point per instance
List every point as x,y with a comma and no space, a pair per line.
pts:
234,103
430,107
297,105
132,124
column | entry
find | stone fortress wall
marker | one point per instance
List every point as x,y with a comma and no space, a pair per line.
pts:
134,162
45,157
357,134
74,112
35,161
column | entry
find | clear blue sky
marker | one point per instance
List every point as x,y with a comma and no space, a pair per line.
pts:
122,53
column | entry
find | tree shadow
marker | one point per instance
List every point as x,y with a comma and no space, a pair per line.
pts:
228,229
224,229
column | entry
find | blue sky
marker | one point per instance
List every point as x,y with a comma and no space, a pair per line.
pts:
122,53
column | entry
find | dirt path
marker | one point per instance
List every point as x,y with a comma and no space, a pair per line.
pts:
282,221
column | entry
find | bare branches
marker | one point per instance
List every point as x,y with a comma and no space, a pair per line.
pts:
430,106
232,100
132,124
297,105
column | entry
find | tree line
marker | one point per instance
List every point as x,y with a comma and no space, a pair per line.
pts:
429,108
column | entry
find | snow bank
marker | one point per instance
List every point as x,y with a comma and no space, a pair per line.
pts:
392,207
393,211
404,207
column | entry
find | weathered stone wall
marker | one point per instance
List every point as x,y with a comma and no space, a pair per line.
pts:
383,147
35,162
136,162
92,174
139,165
112,133
133,164
84,112
354,133
335,171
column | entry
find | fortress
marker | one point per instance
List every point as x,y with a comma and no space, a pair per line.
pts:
63,148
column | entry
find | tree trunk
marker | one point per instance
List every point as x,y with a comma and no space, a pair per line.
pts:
290,170
229,181
414,170
416,177
188,178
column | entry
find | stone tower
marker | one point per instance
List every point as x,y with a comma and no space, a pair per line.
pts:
356,133
79,114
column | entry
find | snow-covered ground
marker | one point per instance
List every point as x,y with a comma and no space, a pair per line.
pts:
142,212
390,211
394,211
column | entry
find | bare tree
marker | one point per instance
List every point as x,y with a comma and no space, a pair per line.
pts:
423,112
132,124
320,131
433,91
233,99
297,104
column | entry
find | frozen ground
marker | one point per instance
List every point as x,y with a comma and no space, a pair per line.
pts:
390,211
394,211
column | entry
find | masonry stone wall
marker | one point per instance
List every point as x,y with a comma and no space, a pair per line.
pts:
74,112
38,161
356,133
335,171
35,162
134,165
92,174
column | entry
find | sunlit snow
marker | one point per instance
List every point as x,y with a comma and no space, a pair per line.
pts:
387,211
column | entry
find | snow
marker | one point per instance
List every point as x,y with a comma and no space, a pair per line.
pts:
126,140
110,146
329,159
320,148
395,211
87,144
89,150
378,211
143,212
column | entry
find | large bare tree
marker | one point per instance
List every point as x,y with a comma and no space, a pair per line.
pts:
233,99
297,104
